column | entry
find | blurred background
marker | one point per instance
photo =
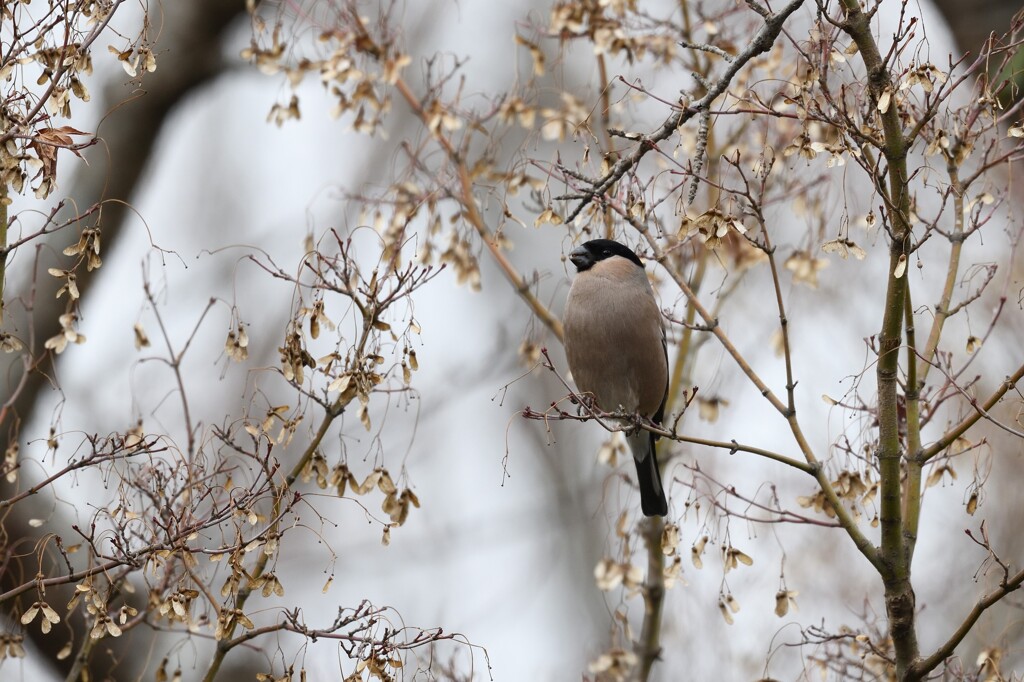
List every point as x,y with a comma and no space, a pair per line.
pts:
515,515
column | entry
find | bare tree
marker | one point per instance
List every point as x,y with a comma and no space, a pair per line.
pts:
168,495
932,145
820,165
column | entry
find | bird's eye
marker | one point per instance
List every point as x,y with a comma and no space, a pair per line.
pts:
606,252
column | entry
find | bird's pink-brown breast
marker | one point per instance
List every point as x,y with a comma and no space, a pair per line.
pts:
613,337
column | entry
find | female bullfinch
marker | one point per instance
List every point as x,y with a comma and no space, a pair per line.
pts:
615,345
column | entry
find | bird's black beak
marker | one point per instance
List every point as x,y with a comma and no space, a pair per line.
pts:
581,258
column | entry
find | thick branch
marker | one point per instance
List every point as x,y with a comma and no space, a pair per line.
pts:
895,566
912,490
942,310
654,597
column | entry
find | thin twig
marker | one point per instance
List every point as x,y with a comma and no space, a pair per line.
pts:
923,666
761,43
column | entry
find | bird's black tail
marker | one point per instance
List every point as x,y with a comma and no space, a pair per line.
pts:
652,493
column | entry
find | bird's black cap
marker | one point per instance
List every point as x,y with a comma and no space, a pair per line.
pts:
587,254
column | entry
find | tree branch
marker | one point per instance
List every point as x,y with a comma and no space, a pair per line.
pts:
895,565
924,666
980,412
654,597
762,42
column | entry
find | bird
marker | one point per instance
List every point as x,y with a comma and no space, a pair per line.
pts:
615,345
